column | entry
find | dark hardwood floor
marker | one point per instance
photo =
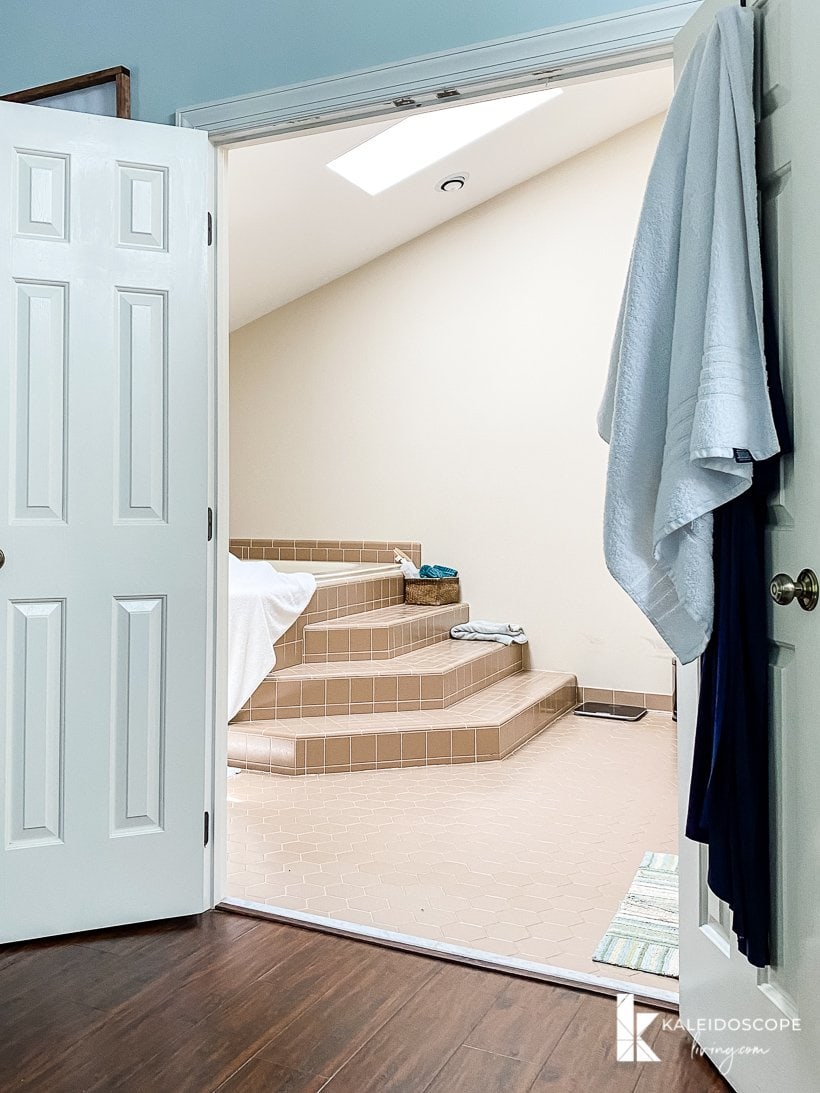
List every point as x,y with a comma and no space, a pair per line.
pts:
245,1006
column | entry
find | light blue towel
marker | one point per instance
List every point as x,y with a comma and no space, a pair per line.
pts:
479,630
437,571
686,399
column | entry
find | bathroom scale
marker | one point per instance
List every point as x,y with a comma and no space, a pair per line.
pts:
614,711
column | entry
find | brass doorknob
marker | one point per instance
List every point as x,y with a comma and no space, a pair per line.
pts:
805,589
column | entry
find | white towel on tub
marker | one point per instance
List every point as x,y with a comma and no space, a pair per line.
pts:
686,409
262,605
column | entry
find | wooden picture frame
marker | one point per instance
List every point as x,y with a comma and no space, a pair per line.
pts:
119,76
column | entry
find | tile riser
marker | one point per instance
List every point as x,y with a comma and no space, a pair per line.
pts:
360,642
382,693
388,749
652,701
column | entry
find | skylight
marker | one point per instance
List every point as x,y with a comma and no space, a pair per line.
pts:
424,139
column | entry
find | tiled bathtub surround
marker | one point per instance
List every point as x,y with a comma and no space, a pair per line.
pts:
432,678
381,634
364,682
490,725
324,550
330,602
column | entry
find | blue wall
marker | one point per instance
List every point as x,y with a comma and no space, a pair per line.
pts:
185,52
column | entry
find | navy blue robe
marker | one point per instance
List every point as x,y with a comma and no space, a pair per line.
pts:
729,793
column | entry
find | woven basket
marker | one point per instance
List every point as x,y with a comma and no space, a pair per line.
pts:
431,591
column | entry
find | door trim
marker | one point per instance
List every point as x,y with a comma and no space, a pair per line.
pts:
555,55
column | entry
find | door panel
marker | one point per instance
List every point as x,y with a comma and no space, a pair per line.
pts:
39,430
138,721
42,195
37,737
143,206
103,502
143,427
717,983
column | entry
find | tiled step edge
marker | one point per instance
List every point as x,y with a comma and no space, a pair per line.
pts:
360,638
388,744
312,694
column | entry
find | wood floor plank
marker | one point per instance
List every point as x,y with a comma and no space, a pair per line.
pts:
65,990
260,1075
22,1038
10,955
410,1049
526,1021
199,989
470,1070
681,1068
161,1016
101,1056
248,1006
509,1046
584,1057
333,1029
191,932
231,1035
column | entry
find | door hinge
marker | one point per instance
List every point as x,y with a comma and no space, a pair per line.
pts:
210,524
207,827
210,229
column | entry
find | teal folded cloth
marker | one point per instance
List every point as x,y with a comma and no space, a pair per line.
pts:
437,571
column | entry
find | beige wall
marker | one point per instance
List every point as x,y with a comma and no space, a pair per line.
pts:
447,393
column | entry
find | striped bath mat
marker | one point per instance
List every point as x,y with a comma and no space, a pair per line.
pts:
644,933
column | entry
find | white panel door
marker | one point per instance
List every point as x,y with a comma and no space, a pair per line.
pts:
717,984
103,520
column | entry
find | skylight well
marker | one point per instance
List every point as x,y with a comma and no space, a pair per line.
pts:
423,139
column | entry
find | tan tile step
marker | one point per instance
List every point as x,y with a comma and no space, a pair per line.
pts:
431,678
382,634
335,600
489,725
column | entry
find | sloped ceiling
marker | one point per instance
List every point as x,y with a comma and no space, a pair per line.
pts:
295,225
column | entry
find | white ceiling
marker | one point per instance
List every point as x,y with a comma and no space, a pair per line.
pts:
296,225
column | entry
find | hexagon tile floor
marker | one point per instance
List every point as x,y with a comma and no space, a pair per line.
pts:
528,857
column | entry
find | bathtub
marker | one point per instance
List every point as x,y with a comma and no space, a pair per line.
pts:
331,572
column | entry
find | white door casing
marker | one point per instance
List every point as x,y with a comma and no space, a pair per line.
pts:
717,984
104,618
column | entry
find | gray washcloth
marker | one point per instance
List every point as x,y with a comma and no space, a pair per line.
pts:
479,630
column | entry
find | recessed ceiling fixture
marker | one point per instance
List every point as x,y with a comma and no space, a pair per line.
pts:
424,139
452,184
